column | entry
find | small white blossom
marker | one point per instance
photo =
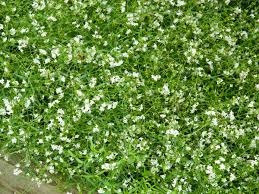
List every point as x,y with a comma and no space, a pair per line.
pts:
87,106
14,140
92,82
156,77
165,90
116,64
55,52
51,169
222,167
27,103
215,121
180,3
12,31
96,129
115,79
172,132
42,51
101,190
17,171
108,166
232,177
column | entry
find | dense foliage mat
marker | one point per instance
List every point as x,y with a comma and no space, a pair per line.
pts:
158,96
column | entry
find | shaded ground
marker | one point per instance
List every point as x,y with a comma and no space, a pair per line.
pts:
10,184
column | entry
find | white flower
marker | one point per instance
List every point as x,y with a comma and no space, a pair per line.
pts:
107,166
92,82
43,34
101,190
227,2
165,90
10,132
61,121
128,31
210,113
251,104
24,30
27,103
209,169
36,61
2,111
62,78
14,140
232,177
22,44
172,132
51,169
222,167
180,3
116,64
43,52
60,111
17,171
52,18
243,75
7,19
12,31
215,122
231,116
253,144
7,84
115,79
114,105
135,74
87,106
96,129
8,106
111,156
238,10
123,6
193,51
59,90
47,60
156,77
55,53
40,141
39,6
126,55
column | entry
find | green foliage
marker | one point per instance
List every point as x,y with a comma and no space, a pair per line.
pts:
132,96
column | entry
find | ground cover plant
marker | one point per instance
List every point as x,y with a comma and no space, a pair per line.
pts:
158,96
